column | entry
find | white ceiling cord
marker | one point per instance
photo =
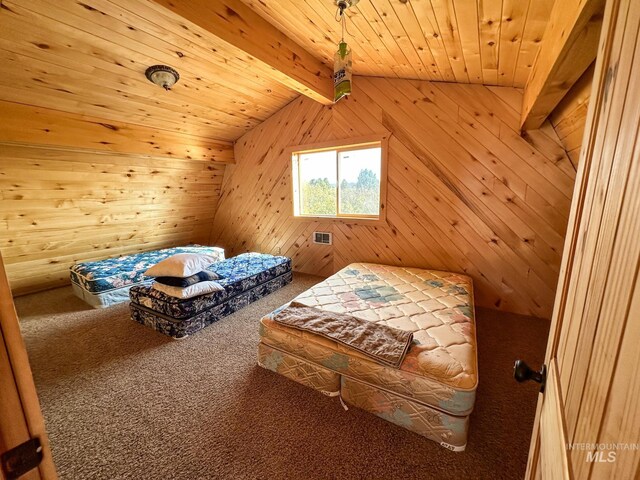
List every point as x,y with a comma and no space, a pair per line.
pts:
342,58
340,14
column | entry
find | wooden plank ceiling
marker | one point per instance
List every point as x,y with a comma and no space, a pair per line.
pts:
268,50
493,42
88,57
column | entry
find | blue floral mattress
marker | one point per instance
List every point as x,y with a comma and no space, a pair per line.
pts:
188,326
237,275
118,272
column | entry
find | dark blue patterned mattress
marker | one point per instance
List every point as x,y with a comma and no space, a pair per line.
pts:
238,275
188,326
113,273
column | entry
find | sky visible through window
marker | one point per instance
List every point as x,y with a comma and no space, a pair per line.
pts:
318,165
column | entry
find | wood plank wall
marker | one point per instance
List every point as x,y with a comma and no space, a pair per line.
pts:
466,192
596,323
569,117
61,204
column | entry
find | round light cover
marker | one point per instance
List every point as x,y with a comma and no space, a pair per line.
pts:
163,76
344,4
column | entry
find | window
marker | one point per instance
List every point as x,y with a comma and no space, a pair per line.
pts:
338,182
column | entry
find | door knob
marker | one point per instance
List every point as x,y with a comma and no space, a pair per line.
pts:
522,372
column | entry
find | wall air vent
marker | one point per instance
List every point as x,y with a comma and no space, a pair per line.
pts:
323,238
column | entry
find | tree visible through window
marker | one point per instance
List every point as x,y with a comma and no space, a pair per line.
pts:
343,182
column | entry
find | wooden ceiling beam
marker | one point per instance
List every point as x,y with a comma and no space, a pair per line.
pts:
569,46
269,49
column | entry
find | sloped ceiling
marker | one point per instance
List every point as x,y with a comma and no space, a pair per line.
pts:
88,57
493,42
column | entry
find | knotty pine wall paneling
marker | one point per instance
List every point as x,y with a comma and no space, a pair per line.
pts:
465,191
569,117
61,206
76,188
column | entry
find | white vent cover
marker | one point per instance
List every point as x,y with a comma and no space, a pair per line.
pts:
323,238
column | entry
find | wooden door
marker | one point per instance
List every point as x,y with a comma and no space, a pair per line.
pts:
588,419
20,415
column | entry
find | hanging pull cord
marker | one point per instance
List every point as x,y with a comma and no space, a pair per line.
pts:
342,18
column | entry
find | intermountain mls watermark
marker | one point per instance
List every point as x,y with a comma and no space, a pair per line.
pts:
603,452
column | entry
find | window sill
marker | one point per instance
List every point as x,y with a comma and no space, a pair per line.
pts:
344,220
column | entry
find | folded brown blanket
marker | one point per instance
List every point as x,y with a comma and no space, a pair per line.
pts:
383,344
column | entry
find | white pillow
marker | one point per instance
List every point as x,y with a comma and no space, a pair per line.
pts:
181,265
195,290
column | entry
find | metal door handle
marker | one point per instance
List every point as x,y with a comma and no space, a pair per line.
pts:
522,372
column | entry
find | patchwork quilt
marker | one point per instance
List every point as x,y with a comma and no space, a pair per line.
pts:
439,373
118,272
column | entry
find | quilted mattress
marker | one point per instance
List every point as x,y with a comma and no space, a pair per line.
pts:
439,370
448,430
245,278
114,273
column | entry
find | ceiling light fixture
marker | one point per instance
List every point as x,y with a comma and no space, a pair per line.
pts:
342,59
163,76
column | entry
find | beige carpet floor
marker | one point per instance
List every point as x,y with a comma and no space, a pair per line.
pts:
123,401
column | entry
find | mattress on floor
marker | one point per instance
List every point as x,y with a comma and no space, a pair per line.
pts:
440,368
114,273
181,328
104,299
237,275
